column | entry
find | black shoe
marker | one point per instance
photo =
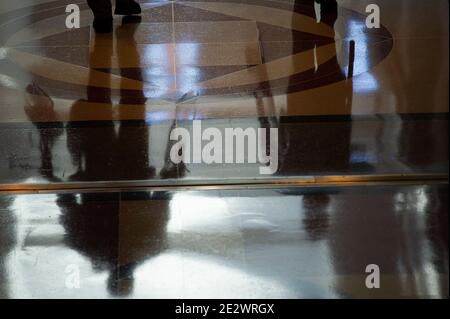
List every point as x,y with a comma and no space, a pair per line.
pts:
127,8
103,25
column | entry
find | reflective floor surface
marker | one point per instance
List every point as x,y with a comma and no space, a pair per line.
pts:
78,109
273,243
347,100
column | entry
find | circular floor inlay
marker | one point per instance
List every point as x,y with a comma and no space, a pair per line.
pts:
185,49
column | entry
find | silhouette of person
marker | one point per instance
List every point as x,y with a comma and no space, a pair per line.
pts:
115,234
317,219
103,17
118,151
309,144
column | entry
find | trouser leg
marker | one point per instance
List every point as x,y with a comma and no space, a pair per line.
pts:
102,9
328,5
103,17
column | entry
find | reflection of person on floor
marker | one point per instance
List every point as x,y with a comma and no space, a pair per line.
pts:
360,227
109,152
316,219
40,107
103,15
308,142
388,232
114,154
115,234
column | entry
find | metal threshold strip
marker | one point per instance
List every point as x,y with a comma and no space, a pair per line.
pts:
212,184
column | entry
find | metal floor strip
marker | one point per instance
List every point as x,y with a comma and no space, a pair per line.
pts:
205,184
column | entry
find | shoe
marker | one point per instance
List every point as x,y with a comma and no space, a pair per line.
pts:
127,8
103,25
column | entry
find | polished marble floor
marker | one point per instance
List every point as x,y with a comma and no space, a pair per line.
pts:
272,243
94,112
347,100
